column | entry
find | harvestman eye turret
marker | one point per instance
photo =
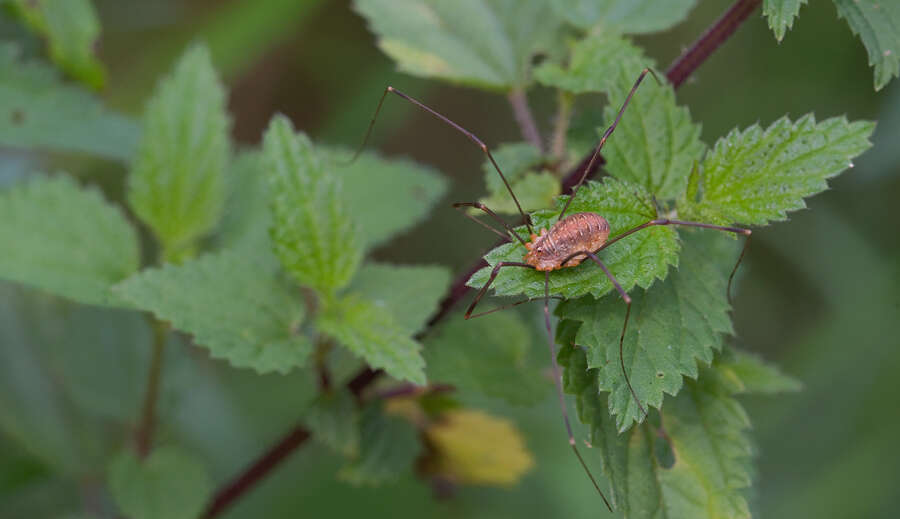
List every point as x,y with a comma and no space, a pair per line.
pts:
568,242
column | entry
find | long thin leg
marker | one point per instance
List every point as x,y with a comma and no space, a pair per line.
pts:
471,136
606,134
492,214
557,379
627,299
494,272
517,303
666,221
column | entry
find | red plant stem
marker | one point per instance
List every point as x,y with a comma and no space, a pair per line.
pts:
519,103
256,471
715,36
683,67
144,434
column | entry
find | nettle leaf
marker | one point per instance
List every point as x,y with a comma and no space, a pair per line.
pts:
313,235
385,197
626,16
757,176
474,448
744,372
388,447
66,240
781,14
601,62
877,23
490,355
168,484
677,324
177,186
636,260
234,306
486,43
709,445
655,143
39,111
370,331
410,292
334,419
71,29
520,163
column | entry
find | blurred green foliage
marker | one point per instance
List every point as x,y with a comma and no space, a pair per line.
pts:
819,295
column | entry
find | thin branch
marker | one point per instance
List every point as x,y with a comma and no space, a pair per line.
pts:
519,103
144,434
561,124
715,36
256,471
683,67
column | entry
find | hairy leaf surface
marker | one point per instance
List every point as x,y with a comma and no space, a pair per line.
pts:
313,234
781,14
756,176
370,331
65,239
636,260
673,326
177,186
168,484
626,16
234,306
486,43
877,23
708,466
40,112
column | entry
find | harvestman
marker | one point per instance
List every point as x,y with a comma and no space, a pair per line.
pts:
568,242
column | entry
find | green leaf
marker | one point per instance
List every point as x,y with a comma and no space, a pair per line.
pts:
71,29
65,239
520,163
334,420
601,62
757,176
486,43
177,186
388,447
673,326
246,218
313,234
745,372
626,16
711,450
491,355
169,484
533,190
781,14
41,112
370,331
385,197
636,260
877,23
236,307
410,293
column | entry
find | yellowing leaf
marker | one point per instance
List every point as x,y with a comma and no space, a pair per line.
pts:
478,449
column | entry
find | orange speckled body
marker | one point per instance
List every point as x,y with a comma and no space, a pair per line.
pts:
574,233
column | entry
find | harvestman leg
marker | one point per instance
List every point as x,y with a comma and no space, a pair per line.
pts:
471,136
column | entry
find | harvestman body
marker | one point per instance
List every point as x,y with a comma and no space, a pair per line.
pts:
567,243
